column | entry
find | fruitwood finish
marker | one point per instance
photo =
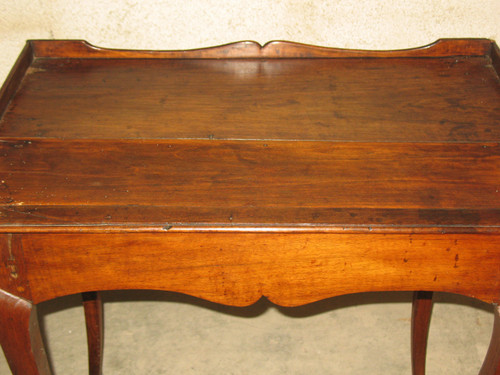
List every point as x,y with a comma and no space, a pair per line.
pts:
92,305
231,173
420,321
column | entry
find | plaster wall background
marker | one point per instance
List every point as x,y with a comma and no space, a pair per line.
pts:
133,24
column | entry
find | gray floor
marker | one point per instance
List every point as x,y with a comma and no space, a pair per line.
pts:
163,333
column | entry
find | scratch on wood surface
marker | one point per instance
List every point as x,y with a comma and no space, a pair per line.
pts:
33,70
9,246
12,208
11,261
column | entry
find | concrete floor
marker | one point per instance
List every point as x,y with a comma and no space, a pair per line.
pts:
164,333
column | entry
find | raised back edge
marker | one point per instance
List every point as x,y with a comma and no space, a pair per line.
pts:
15,76
250,49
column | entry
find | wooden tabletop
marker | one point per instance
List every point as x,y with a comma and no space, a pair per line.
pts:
284,171
243,137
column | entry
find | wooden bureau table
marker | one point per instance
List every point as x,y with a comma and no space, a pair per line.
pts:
287,171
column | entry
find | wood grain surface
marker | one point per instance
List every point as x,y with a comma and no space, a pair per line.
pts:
451,99
117,139
239,268
249,182
233,173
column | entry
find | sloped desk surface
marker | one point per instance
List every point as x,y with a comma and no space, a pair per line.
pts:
231,173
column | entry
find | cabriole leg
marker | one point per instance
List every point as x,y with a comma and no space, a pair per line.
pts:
92,305
420,320
491,364
20,336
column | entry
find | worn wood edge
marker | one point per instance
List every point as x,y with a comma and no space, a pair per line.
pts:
28,139
251,49
15,77
201,228
495,57
13,273
21,217
214,140
62,214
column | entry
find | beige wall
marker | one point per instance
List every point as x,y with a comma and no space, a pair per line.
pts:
180,24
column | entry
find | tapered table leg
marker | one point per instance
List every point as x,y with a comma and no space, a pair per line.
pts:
420,320
92,305
20,336
491,364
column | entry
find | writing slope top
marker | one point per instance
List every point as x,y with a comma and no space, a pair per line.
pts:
243,137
